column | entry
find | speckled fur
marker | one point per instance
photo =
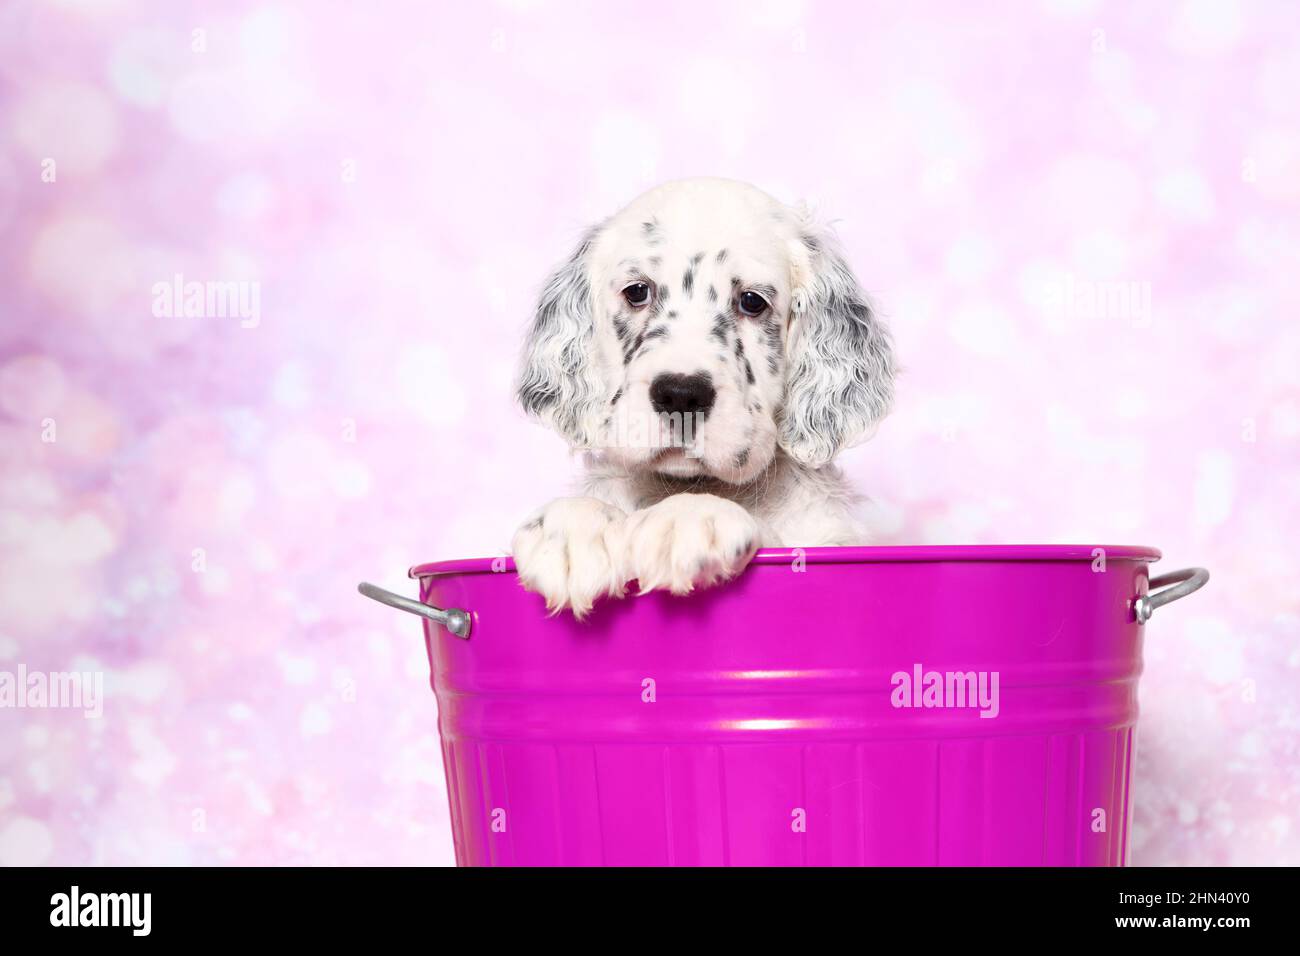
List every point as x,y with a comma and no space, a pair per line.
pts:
810,375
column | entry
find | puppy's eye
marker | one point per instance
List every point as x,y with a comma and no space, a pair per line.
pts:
637,294
752,304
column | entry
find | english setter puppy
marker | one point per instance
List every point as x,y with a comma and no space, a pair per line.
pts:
710,351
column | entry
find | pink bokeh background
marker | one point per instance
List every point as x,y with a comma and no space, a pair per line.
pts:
186,504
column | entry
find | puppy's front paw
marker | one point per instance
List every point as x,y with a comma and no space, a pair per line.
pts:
689,541
570,553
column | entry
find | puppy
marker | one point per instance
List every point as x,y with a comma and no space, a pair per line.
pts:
710,351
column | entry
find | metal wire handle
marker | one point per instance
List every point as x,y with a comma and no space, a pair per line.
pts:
453,618
1162,590
1169,587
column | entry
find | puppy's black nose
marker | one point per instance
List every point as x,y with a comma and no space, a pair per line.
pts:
683,394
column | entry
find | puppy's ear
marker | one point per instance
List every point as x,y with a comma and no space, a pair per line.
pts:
558,381
840,379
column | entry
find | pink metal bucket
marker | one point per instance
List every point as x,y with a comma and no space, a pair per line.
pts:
834,706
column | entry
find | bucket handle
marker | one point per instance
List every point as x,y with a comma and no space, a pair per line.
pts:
1163,590
1169,587
453,618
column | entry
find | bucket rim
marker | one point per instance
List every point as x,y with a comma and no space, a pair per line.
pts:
875,554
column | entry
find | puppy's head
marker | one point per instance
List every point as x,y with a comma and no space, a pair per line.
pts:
701,328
